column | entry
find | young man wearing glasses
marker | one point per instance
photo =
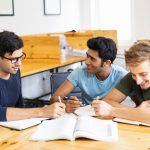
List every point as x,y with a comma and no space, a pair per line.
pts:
11,104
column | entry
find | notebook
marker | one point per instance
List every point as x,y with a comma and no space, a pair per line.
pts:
130,122
22,124
70,128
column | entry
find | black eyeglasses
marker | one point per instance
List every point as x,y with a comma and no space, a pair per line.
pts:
15,59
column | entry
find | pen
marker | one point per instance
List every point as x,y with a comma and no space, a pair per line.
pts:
59,99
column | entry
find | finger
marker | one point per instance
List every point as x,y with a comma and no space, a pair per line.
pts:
62,105
73,105
73,109
60,113
96,109
74,98
61,108
97,112
70,110
96,103
77,103
72,102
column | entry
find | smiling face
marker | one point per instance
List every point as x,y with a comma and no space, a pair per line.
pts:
6,65
141,74
93,61
97,66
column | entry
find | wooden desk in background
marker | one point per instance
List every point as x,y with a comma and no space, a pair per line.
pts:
30,67
130,138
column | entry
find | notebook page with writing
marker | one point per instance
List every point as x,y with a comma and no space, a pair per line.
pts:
96,129
22,124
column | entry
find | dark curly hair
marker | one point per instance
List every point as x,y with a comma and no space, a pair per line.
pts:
9,42
105,47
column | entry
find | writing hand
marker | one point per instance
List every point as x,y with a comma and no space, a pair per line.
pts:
54,110
102,108
72,104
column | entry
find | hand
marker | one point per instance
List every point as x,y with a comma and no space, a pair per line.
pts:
102,108
143,112
54,110
72,104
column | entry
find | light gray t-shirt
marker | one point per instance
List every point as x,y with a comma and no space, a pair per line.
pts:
91,86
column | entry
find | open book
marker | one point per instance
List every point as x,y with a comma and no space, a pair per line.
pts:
86,110
22,124
71,128
130,122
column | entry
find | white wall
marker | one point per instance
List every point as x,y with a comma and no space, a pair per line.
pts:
92,17
107,15
140,19
85,15
75,14
29,17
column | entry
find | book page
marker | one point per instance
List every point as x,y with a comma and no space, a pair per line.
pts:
66,115
22,124
126,121
61,128
130,122
144,124
96,129
86,110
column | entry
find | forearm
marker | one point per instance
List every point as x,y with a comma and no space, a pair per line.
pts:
62,91
23,113
131,114
114,98
115,104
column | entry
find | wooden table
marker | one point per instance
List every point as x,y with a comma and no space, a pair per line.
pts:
30,67
130,138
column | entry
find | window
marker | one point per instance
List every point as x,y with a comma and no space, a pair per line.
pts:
116,14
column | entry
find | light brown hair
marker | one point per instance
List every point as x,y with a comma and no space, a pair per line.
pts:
138,53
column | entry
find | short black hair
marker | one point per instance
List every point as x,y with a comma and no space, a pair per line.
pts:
105,47
9,42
